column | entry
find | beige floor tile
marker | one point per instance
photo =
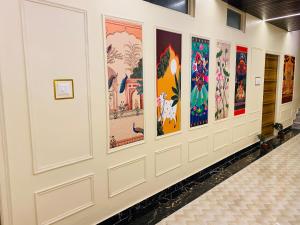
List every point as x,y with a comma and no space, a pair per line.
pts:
267,192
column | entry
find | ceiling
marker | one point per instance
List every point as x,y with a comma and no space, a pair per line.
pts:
267,9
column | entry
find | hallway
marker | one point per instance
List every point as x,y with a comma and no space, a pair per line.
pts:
267,192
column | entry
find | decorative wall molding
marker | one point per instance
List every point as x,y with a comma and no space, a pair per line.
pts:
255,113
41,169
41,204
113,191
201,153
5,190
238,128
251,123
286,115
227,138
175,154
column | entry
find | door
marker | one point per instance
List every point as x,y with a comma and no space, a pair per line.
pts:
269,99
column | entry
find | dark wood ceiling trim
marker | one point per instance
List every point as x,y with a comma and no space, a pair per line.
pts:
266,9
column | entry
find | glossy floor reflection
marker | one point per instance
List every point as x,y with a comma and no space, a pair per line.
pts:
267,192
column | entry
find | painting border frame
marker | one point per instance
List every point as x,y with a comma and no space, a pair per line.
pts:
283,56
190,77
155,27
249,50
107,127
55,81
231,86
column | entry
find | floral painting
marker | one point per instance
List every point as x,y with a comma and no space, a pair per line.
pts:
199,82
240,81
288,79
124,81
222,80
168,81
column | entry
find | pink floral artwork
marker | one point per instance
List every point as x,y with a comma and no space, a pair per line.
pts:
222,81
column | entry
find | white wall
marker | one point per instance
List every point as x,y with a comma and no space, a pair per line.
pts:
56,153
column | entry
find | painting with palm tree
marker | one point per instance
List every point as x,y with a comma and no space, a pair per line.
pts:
124,63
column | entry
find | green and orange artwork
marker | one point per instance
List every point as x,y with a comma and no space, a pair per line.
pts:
168,82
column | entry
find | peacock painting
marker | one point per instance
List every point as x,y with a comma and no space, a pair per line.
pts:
124,79
137,130
123,84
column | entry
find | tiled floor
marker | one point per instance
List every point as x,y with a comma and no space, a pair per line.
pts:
267,192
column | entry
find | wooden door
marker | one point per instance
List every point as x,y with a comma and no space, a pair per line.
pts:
269,99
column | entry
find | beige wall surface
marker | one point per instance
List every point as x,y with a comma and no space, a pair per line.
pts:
54,162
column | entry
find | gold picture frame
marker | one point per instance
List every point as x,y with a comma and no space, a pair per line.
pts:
63,89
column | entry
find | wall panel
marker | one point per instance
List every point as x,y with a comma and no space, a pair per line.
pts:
50,141
168,159
58,202
198,148
239,132
222,139
127,175
55,41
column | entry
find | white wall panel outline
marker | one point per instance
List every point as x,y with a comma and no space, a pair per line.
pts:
286,114
5,186
226,135
256,124
60,201
168,159
198,148
239,132
125,176
35,35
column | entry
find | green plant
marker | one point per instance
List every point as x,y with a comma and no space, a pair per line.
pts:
138,71
261,138
278,126
163,63
140,88
160,130
176,90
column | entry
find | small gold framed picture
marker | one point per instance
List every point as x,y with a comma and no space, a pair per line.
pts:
63,89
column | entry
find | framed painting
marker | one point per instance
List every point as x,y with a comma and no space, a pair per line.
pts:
240,81
124,76
199,82
168,81
222,80
288,78
63,89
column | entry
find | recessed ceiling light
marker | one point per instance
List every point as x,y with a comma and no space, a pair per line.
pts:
282,17
178,4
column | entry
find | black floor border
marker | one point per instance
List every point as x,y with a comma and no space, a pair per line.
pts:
138,212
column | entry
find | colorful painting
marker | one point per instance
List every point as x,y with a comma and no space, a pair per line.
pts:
168,81
125,81
288,78
240,81
199,82
222,80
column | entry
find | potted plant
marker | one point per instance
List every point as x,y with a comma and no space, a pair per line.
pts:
279,128
262,141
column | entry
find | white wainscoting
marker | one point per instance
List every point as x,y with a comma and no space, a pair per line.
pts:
56,47
63,200
222,138
198,148
125,176
168,159
239,132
